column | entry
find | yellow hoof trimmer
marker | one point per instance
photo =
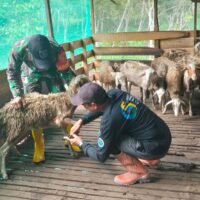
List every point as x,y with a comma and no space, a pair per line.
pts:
73,148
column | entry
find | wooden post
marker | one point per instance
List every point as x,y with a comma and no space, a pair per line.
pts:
156,24
92,16
49,19
195,21
85,65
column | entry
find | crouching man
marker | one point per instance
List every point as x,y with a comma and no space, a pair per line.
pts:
128,129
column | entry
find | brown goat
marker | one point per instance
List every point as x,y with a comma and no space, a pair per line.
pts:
39,111
170,70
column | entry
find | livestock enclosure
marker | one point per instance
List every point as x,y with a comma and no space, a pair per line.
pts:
177,177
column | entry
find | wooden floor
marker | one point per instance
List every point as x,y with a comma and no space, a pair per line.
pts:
62,177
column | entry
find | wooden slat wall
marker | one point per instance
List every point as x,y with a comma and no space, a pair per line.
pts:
127,51
130,36
166,39
82,57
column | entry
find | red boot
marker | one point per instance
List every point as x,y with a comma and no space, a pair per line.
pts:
136,170
149,162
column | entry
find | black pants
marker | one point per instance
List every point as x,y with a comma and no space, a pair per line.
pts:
149,149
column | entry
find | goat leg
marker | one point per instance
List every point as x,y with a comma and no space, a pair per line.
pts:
190,104
3,153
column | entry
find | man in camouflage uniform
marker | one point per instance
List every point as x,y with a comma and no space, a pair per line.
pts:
37,64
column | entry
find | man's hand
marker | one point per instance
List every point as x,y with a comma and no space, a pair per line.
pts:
18,102
76,127
74,139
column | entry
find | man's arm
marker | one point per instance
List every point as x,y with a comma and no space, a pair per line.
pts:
14,69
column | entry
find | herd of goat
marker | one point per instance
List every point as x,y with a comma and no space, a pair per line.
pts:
170,79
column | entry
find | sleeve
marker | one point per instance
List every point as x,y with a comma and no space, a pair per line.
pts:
14,71
104,144
90,116
67,75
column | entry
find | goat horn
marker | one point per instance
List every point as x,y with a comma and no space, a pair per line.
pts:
166,105
169,102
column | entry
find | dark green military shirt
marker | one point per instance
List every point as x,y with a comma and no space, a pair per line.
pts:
21,70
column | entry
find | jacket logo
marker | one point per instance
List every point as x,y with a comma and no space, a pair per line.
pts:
128,109
100,143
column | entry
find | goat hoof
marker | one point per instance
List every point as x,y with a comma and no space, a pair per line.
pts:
191,114
4,177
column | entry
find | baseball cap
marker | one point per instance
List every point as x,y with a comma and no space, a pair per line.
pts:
88,93
40,49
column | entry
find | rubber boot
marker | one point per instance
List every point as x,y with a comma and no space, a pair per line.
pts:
149,162
38,138
136,170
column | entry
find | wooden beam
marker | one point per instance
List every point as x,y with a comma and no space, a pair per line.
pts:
177,43
195,22
66,46
198,1
127,51
49,19
131,36
156,24
92,19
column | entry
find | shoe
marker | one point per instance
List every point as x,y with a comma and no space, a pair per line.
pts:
149,162
129,178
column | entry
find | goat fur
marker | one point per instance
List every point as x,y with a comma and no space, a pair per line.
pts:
173,74
39,111
141,75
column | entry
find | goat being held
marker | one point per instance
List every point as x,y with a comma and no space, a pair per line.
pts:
39,111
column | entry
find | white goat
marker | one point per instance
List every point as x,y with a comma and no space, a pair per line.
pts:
143,76
39,111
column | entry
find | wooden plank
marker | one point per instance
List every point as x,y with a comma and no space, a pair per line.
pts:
5,94
198,1
78,58
127,51
133,36
90,53
66,46
77,44
88,40
177,43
